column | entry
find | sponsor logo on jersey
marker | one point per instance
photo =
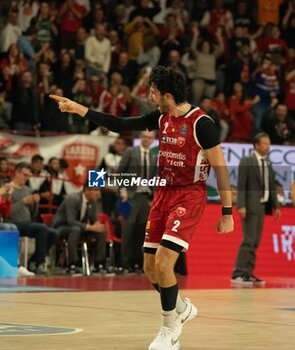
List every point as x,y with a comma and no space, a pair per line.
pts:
180,141
180,211
183,129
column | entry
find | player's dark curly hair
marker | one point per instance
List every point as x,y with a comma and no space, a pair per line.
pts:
169,80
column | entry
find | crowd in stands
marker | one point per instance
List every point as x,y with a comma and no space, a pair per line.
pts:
238,57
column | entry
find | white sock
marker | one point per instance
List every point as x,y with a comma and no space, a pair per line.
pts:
180,304
169,318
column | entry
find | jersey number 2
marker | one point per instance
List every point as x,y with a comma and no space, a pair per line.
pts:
176,224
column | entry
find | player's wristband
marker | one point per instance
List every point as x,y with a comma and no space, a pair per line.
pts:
227,211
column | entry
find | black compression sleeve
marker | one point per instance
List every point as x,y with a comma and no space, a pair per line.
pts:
207,133
114,123
148,121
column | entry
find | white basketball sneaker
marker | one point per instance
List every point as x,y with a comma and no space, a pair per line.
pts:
167,339
189,313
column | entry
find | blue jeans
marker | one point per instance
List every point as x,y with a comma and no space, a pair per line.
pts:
258,111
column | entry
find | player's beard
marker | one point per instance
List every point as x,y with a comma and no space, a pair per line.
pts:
163,106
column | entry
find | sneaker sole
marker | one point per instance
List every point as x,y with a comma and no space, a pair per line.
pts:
241,284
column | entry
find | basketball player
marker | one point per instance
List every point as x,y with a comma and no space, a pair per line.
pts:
189,145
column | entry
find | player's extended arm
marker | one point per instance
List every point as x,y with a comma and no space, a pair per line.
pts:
109,121
217,161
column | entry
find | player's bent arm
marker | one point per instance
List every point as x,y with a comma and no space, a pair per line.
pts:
217,161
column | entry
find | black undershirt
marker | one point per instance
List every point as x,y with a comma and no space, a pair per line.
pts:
206,130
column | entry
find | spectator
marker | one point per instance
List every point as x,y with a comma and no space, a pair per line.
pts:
43,25
177,9
113,101
206,106
288,25
205,56
150,53
139,94
218,19
279,126
94,88
268,11
71,14
25,105
44,81
63,72
11,32
241,69
142,162
38,173
52,120
5,111
23,214
27,9
127,68
117,79
14,61
54,184
241,117
79,46
266,86
5,173
5,210
146,8
96,17
98,52
77,218
80,95
256,197
135,30
220,105
117,46
174,61
242,16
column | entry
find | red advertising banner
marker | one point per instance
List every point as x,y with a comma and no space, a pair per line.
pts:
211,253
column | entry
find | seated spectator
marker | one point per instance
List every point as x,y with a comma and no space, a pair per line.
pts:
23,213
54,184
5,173
63,72
76,218
117,79
241,116
5,210
279,126
38,172
5,110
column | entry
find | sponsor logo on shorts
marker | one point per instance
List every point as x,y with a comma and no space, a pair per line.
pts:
180,211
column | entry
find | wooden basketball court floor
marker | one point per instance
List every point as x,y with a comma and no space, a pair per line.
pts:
122,312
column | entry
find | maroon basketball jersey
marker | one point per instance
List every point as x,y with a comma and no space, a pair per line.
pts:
182,160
